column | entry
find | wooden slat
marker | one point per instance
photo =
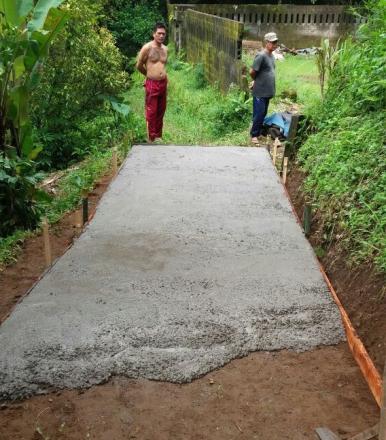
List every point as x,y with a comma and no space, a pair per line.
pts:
285,169
276,143
215,42
114,160
382,424
358,350
362,358
47,243
307,219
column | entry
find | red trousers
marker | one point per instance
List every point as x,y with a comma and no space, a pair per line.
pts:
155,106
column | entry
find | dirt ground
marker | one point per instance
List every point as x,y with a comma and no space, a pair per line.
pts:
265,396
361,290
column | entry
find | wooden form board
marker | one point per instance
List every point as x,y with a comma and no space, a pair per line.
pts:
362,358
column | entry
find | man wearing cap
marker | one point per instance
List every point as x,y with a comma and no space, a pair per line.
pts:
263,74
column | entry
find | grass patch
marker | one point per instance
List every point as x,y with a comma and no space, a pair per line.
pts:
199,114
344,156
11,246
297,73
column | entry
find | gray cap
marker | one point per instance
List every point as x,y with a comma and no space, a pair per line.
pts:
271,37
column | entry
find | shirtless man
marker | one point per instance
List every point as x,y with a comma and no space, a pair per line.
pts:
151,62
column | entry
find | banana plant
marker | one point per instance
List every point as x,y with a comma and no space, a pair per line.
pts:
27,28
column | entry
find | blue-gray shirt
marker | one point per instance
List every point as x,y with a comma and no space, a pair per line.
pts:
264,65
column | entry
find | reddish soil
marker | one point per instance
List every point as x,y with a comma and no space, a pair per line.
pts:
265,396
360,289
17,279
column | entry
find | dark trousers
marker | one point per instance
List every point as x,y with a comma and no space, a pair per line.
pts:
155,106
260,108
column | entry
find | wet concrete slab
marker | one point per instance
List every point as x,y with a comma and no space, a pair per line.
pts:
193,258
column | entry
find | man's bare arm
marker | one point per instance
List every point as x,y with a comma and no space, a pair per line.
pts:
142,59
252,72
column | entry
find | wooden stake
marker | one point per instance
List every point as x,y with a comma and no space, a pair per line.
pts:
274,154
307,219
285,168
115,161
85,207
382,423
47,244
78,218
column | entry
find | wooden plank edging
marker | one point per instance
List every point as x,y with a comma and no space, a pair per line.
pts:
360,354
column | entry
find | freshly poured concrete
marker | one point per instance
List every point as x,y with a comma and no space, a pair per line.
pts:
193,258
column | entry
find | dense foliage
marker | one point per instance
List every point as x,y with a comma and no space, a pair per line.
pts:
345,158
61,81
26,31
70,115
264,2
131,22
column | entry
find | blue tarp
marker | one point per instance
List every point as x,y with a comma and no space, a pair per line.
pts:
281,120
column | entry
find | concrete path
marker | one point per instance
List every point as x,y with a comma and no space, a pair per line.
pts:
194,258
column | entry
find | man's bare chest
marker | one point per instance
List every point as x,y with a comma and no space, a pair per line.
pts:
157,55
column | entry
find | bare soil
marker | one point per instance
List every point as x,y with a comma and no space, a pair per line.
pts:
265,396
361,289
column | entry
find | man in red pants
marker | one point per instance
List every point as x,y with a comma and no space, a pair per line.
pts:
151,62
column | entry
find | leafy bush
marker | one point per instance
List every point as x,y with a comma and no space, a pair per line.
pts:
131,22
232,112
67,197
199,80
345,159
27,29
19,196
26,33
69,115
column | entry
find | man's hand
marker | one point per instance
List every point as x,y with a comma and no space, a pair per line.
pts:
142,59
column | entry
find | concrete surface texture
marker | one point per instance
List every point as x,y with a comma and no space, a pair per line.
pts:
194,258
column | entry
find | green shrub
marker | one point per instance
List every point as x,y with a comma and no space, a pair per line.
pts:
131,22
345,158
199,79
69,113
27,29
232,112
19,196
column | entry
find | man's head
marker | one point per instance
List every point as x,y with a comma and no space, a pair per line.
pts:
271,41
159,33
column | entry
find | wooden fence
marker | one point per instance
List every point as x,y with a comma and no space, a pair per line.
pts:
215,42
297,25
